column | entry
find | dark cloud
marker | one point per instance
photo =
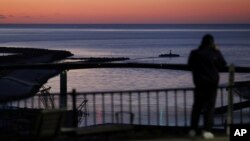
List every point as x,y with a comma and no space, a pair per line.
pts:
2,17
11,16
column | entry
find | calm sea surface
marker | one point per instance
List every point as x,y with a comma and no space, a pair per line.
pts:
141,43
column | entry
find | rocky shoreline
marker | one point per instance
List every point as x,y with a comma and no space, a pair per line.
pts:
25,55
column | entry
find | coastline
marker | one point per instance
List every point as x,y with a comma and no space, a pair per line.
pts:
21,55
18,84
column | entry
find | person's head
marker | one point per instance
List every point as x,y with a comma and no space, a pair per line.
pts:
207,41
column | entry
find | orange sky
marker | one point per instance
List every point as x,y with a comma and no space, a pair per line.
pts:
124,11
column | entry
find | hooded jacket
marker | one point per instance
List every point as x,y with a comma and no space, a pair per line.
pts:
205,63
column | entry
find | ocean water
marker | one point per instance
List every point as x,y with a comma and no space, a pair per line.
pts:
141,43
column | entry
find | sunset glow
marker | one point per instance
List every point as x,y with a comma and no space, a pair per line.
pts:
124,11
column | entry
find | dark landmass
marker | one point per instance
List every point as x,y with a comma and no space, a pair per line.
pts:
101,59
21,55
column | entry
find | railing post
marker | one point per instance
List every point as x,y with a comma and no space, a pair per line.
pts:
63,89
75,115
230,98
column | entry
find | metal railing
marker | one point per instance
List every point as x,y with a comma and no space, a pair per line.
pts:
161,107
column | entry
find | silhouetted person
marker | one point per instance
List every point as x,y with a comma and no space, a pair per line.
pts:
205,63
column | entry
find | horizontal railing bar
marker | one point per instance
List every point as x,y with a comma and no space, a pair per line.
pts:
139,91
146,90
136,91
69,66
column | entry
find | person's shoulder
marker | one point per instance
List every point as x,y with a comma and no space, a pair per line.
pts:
194,51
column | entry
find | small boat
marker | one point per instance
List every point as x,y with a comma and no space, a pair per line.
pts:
170,54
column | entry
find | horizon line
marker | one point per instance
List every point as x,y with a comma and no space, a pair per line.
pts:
122,23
